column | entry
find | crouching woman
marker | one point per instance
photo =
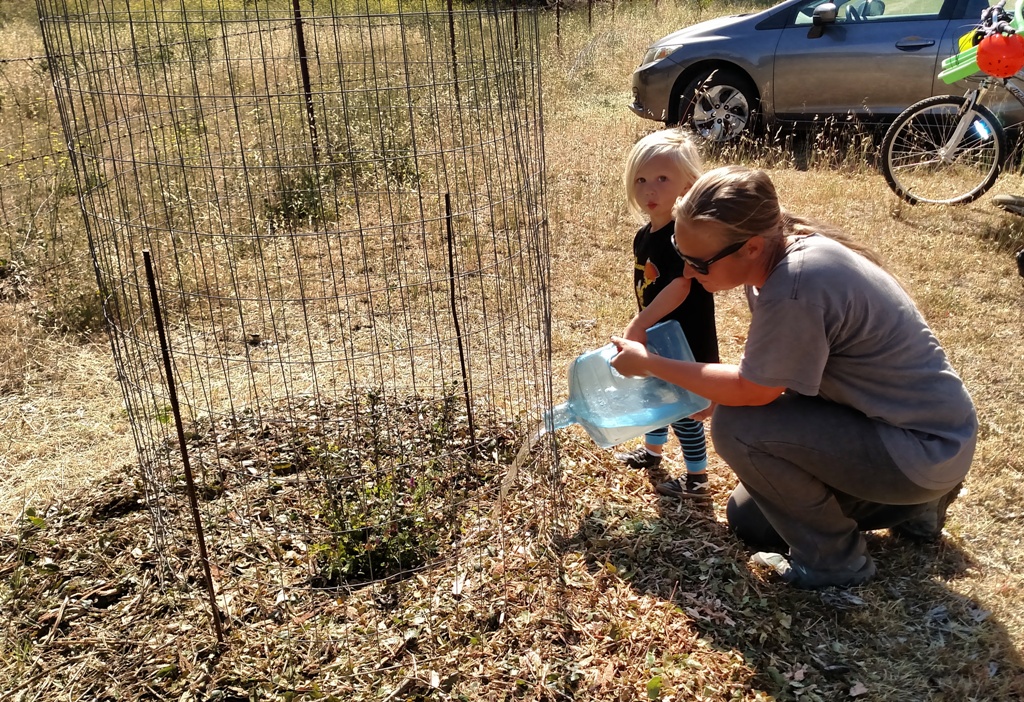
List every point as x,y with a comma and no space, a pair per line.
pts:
844,414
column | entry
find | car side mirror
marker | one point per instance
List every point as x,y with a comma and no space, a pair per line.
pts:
824,14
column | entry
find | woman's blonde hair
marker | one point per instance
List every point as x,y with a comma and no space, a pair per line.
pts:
667,142
744,203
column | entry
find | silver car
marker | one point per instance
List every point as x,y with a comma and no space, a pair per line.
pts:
800,61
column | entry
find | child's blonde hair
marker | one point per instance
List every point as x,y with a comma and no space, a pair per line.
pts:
671,142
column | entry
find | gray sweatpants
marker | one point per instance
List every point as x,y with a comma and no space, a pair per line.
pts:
813,474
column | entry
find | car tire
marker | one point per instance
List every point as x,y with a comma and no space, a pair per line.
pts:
720,105
912,152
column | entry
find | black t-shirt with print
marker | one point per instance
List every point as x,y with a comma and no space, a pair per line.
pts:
655,265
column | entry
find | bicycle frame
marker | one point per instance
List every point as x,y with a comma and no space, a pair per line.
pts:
976,96
947,153
949,149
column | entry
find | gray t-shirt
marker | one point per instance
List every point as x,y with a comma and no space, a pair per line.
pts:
830,323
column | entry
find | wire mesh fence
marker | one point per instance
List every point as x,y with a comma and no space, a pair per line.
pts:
344,207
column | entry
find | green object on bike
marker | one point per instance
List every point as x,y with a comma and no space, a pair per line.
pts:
965,64
960,66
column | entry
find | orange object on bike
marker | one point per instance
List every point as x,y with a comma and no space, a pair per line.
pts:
1000,55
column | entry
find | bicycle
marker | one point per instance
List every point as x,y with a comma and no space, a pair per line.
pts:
950,149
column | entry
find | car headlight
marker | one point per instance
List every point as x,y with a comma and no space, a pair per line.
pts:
657,53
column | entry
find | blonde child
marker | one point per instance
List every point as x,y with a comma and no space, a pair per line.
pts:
660,168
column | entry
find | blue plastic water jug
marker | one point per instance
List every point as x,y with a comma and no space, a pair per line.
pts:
614,408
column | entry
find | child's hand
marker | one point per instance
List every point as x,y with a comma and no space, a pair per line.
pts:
632,358
635,332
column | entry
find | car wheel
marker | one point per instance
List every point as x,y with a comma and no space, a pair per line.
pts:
720,105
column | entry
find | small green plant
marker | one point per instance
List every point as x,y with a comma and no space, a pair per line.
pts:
32,522
394,494
382,527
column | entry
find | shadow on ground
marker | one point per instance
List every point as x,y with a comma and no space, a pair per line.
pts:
907,635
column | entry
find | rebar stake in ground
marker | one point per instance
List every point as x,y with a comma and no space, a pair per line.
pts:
176,409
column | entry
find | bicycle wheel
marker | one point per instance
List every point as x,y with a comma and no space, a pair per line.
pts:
921,165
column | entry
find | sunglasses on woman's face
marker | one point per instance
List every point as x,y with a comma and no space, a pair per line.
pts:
701,265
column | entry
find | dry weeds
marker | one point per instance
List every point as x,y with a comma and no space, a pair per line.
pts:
635,597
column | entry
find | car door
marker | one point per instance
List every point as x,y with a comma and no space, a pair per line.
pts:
865,62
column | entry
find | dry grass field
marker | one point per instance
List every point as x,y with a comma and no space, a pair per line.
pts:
641,597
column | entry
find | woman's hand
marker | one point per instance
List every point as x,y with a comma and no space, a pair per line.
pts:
632,358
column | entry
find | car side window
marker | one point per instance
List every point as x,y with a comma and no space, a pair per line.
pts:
913,8
976,7
850,11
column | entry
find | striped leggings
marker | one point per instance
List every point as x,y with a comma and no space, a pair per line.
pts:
691,438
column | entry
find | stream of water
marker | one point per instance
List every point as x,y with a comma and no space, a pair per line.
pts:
520,460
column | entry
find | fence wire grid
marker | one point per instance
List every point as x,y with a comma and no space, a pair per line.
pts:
345,213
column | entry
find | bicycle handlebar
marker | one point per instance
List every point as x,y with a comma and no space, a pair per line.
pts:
964,64
994,20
